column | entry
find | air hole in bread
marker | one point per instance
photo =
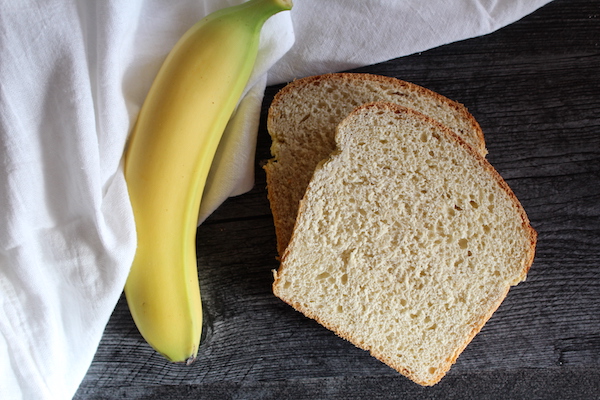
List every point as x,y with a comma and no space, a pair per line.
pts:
395,93
344,279
323,275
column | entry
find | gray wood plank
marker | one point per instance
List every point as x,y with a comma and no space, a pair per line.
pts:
513,384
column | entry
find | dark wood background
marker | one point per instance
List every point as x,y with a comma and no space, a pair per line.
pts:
534,87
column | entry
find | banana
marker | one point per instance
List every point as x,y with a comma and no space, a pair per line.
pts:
167,160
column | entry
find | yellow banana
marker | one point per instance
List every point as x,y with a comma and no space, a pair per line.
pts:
166,164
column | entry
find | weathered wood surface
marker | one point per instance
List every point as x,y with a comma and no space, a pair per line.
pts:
534,87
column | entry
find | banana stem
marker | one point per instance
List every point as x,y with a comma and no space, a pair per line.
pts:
259,10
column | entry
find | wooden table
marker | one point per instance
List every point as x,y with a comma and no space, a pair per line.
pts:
534,87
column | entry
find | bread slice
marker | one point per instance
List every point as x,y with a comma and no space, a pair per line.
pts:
407,240
302,121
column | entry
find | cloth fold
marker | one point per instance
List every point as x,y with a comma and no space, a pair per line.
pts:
73,75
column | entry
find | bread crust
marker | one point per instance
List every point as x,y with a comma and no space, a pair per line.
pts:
494,303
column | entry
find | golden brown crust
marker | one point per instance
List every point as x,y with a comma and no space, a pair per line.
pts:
272,186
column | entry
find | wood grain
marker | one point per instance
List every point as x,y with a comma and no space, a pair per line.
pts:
534,87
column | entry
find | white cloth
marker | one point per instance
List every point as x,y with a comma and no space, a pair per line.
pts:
73,75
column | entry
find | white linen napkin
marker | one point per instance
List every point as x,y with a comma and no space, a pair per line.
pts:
73,75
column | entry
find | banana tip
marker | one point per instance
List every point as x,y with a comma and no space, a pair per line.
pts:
190,360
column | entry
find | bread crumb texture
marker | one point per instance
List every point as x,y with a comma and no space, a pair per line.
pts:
406,241
303,119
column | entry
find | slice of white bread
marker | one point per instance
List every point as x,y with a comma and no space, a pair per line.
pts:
407,240
302,121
